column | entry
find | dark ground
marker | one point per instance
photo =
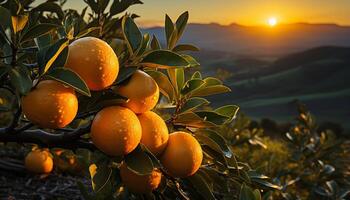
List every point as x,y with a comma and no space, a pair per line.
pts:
18,184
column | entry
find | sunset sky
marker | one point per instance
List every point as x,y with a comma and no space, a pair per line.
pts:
245,12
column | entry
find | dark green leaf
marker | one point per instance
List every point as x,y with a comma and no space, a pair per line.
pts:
52,53
229,111
139,162
266,184
193,103
155,45
169,28
119,6
246,193
50,7
165,86
102,4
93,5
131,33
181,23
125,73
180,78
211,90
215,141
185,47
38,30
3,70
144,45
87,32
164,59
193,62
20,79
190,119
5,17
192,85
201,186
43,41
197,75
61,59
70,78
101,179
212,117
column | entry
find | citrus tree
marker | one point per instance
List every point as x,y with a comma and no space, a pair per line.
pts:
122,102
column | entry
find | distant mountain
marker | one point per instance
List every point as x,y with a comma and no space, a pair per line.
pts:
261,40
318,77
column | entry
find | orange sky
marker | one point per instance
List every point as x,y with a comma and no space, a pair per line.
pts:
245,12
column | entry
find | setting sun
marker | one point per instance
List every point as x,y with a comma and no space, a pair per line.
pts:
272,21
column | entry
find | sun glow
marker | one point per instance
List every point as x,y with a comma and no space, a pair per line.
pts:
272,21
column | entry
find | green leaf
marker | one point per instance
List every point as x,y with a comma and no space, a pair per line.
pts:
38,30
229,111
101,178
211,90
119,6
61,59
246,193
185,47
20,79
102,4
211,81
93,5
172,39
52,53
197,75
165,86
43,41
192,61
267,184
180,78
212,117
215,141
5,17
257,194
125,73
181,23
163,59
144,45
169,28
201,186
132,34
19,22
70,78
192,85
139,162
155,45
87,32
3,70
190,119
49,7
193,103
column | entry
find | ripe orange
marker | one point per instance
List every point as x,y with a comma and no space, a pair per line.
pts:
50,105
39,161
142,91
183,155
116,131
140,183
154,132
94,60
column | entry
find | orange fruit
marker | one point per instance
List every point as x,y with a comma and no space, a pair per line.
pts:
154,132
39,161
50,105
142,91
116,131
95,62
182,156
137,183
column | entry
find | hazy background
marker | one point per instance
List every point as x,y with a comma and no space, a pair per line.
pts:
305,57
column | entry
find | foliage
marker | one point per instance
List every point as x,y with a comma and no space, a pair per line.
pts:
34,46
317,167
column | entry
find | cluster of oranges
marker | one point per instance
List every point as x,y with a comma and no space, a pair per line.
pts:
115,130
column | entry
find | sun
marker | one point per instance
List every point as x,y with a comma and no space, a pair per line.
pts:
272,21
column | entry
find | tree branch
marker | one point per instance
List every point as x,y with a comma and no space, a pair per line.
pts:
70,140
